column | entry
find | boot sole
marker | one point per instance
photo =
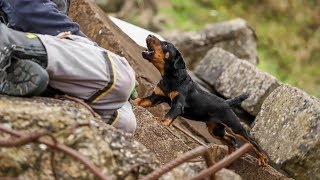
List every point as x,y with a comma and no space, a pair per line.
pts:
26,78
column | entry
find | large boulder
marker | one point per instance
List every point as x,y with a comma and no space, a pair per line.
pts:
288,129
114,152
235,36
231,77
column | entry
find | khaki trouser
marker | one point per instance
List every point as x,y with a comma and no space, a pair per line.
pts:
77,67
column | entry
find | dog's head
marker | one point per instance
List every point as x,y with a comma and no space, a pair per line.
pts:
163,55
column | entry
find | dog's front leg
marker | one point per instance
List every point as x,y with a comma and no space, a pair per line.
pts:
155,98
177,108
148,101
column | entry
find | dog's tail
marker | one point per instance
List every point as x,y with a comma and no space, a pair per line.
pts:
237,100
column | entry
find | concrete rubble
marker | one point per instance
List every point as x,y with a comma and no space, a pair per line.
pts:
114,152
231,77
288,129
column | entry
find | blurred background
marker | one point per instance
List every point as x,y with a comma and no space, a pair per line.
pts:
288,31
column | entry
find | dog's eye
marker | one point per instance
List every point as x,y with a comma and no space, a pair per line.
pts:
165,45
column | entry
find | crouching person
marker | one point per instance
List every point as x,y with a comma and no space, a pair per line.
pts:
71,64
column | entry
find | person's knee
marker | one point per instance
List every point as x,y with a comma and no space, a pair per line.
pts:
127,120
127,123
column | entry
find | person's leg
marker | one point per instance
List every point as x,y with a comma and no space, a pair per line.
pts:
117,98
84,71
127,120
23,61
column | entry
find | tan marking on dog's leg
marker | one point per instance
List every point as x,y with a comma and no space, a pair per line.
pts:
263,160
224,140
158,91
142,102
173,94
167,122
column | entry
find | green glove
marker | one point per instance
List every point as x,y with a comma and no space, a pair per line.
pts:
134,93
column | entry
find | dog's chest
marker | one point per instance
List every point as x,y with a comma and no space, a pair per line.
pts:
168,86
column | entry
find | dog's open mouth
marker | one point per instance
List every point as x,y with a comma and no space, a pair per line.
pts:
148,53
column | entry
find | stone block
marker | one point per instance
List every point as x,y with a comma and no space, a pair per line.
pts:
288,129
213,64
231,77
235,36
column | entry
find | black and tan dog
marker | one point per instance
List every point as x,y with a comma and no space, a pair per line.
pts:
188,100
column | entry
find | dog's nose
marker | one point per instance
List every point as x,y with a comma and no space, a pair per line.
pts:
150,36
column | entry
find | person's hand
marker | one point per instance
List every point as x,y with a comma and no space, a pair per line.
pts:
63,35
134,93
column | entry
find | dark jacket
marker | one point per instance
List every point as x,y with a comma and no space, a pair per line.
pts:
38,16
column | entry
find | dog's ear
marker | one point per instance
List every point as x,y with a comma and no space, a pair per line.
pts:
179,62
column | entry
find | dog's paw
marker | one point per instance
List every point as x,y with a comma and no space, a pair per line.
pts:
137,101
167,122
63,35
263,161
143,102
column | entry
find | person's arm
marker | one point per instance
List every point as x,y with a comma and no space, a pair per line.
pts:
38,16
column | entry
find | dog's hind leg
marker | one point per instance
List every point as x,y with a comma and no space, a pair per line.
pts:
218,130
233,127
243,136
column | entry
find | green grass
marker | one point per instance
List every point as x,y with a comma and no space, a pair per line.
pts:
288,33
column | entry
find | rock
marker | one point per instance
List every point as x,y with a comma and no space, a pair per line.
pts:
194,168
114,152
197,167
157,137
232,77
242,77
225,174
235,36
96,25
200,82
288,129
213,64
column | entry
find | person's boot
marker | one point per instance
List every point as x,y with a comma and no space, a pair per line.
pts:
23,60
